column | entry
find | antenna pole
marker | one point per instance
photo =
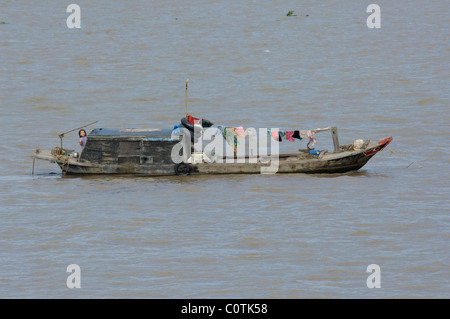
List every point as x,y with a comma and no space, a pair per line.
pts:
185,98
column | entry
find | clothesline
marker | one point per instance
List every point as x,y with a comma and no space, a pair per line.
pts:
230,134
277,135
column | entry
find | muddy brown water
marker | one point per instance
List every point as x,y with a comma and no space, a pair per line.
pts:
237,236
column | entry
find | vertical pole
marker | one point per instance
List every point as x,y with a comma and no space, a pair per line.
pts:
185,98
335,137
61,137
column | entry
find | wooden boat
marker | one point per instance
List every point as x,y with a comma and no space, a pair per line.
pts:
149,152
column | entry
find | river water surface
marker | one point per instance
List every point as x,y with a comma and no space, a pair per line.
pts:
237,236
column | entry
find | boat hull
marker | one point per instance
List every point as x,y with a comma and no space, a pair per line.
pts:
341,162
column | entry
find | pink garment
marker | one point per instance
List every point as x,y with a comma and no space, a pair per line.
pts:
289,136
240,131
275,135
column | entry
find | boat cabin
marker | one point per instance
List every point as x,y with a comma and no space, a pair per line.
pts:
128,146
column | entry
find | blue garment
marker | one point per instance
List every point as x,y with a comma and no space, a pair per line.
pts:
176,130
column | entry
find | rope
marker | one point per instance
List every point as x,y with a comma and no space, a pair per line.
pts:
406,159
59,155
65,162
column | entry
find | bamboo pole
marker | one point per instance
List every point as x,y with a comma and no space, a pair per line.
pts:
78,128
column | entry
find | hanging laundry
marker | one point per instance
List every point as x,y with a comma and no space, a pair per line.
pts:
240,131
230,135
289,136
250,132
310,135
233,134
281,136
275,135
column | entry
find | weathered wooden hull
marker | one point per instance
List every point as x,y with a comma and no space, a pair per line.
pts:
340,162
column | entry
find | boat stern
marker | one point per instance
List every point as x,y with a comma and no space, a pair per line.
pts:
68,162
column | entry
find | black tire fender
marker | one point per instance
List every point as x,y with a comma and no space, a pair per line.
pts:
187,125
195,135
203,123
182,169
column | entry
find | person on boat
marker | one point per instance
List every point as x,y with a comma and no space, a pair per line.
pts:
82,138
